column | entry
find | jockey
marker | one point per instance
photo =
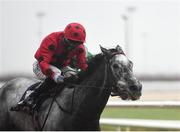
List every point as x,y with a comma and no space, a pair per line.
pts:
55,54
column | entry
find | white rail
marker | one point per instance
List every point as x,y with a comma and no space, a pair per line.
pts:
166,124
163,104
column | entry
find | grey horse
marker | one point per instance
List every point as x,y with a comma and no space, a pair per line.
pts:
76,107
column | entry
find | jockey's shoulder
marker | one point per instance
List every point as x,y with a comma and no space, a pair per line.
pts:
55,36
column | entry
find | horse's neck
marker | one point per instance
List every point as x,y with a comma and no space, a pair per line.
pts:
96,96
97,78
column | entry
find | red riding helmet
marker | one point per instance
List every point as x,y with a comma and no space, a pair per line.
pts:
76,32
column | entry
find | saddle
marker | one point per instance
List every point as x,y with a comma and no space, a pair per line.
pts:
34,94
49,91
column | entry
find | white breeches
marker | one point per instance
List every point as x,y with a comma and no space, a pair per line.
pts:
66,71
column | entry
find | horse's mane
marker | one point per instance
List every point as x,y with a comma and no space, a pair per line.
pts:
92,63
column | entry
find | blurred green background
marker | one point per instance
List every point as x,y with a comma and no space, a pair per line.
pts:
139,113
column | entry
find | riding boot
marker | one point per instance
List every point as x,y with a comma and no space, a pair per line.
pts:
31,100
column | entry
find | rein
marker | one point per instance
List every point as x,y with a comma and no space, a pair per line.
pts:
47,115
88,86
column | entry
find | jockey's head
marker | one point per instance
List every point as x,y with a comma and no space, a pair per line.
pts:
74,35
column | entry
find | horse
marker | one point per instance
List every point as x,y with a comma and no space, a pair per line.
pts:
79,105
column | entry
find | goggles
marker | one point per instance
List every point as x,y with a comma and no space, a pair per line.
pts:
72,43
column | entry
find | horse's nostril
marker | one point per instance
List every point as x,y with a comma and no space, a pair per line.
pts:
134,88
140,87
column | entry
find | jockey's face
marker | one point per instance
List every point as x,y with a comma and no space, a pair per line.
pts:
71,43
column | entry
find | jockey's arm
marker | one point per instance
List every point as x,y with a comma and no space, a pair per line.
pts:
46,50
81,59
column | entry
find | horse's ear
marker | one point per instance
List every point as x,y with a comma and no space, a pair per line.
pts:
105,51
118,48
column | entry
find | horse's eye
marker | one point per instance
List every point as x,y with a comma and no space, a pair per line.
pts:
130,64
125,70
115,66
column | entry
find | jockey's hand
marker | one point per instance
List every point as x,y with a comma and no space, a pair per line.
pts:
69,74
58,78
71,79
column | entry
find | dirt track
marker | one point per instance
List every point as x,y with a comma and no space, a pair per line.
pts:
158,95
161,95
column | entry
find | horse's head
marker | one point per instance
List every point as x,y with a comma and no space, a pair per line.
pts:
126,84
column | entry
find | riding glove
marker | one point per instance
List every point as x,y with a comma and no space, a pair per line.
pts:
58,78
